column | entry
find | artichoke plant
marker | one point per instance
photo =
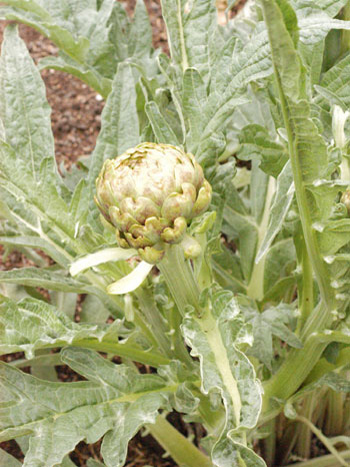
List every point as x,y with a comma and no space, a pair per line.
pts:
150,194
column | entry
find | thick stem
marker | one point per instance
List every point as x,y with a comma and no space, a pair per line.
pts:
184,453
269,444
154,319
179,278
334,420
185,291
291,375
304,432
307,302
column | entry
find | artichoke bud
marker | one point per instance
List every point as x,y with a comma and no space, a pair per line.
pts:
149,195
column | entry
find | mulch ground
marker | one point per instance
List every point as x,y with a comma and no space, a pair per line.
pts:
76,120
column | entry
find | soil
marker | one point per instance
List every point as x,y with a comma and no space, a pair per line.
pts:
76,119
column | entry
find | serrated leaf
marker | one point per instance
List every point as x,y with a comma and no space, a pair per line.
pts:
212,337
315,27
140,32
115,398
46,278
189,32
91,77
18,241
257,144
161,128
194,103
24,110
33,324
335,81
272,322
120,125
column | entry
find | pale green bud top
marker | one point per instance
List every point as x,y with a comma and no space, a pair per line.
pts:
150,194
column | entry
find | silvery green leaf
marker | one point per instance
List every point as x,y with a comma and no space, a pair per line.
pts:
18,241
46,372
335,82
94,463
332,380
65,301
315,27
49,279
226,452
194,102
54,329
161,128
119,124
89,76
257,144
190,30
279,264
115,400
32,324
24,110
31,13
313,58
259,186
140,34
279,209
227,370
93,311
331,7
6,460
47,359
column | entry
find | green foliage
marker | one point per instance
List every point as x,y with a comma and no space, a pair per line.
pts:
279,240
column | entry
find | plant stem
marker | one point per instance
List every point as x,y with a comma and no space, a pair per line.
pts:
334,420
184,453
179,278
307,302
154,319
185,291
269,444
304,432
293,371
324,461
323,439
